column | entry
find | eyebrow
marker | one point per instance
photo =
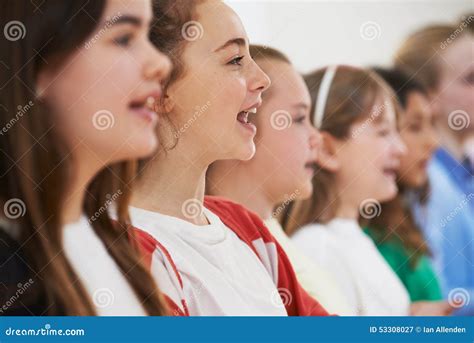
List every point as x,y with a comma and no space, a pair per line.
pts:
238,41
302,105
125,19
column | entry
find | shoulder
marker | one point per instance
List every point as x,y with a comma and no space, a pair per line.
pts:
245,223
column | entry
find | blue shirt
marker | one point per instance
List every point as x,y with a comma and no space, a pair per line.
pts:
461,173
447,222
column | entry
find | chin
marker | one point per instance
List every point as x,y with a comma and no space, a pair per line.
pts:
144,147
246,152
305,190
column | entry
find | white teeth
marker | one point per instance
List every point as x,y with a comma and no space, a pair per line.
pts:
253,110
150,103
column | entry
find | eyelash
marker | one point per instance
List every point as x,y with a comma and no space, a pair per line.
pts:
124,40
300,119
236,60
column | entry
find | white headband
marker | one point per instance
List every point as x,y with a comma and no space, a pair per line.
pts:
323,94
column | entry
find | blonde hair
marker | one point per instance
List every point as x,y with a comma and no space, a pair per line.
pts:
417,55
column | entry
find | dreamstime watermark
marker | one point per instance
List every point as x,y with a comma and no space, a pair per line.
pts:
288,199
370,30
103,297
281,297
192,31
14,30
280,120
45,331
103,120
464,202
108,24
192,208
377,111
459,120
199,110
22,288
458,297
21,111
370,208
110,200
14,208
464,24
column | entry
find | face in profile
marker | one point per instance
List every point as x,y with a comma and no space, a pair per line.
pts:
286,140
221,78
454,92
102,95
416,127
370,159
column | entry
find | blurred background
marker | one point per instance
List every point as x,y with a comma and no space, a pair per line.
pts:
316,33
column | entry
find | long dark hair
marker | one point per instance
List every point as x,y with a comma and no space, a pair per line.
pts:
35,163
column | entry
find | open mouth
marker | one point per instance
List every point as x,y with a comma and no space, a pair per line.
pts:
311,167
243,118
390,173
145,109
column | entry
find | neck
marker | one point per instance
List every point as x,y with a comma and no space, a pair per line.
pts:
226,179
84,171
172,185
347,211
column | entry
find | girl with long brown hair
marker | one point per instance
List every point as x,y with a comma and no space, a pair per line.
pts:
360,152
395,232
77,85
281,169
211,256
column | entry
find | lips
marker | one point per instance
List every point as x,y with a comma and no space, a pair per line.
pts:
390,172
243,116
144,106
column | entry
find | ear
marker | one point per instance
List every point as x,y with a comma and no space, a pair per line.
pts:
327,157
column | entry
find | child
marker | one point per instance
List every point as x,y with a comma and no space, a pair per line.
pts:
359,156
444,67
281,169
81,94
210,257
395,232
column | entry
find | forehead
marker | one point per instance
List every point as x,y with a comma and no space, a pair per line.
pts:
286,81
141,9
219,24
460,54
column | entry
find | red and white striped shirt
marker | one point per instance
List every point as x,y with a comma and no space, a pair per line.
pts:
237,268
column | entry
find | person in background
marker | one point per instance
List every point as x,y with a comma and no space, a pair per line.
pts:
394,230
355,112
281,169
210,256
440,58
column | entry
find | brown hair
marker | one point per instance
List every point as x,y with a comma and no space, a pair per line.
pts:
36,165
353,97
396,218
167,34
417,55
260,51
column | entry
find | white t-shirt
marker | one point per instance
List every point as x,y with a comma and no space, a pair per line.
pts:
371,286
221,275
108,289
